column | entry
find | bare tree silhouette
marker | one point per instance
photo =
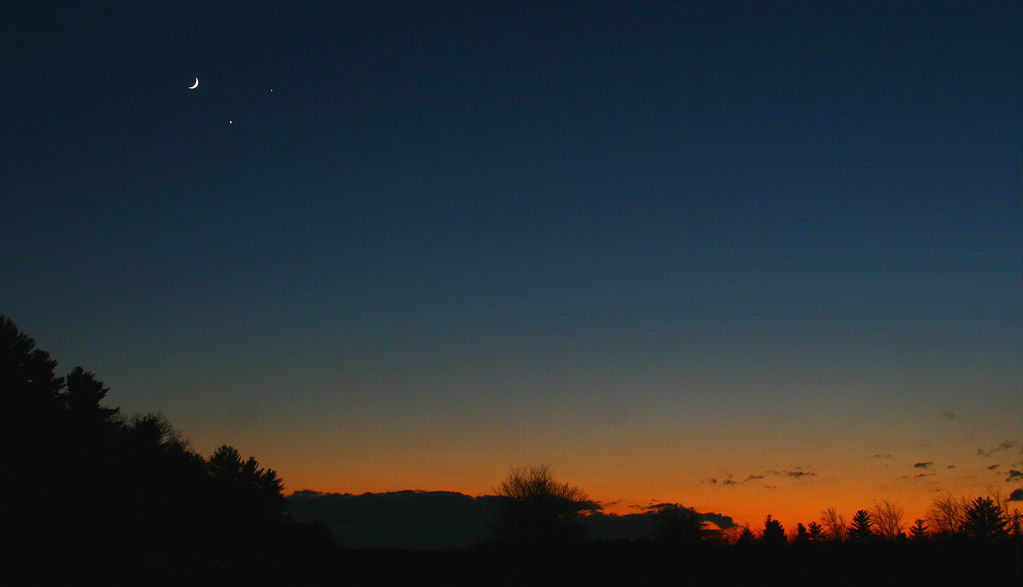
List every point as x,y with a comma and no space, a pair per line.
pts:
887,517
535,509
834,523
947,515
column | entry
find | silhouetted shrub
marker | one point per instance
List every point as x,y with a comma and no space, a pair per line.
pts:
535,509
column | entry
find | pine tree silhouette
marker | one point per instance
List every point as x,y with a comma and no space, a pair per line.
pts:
986,520
774,533
815,532
862,527
918,531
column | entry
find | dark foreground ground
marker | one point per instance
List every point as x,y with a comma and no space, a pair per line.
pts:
590,564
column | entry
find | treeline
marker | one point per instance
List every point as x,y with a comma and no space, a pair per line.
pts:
961,542
94,496
537,508
985,519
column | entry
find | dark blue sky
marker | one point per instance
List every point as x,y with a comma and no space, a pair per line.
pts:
430,206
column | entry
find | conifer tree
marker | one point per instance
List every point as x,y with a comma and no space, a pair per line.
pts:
918,531
745,537
986,520
774,533
815,532
862,527
802,536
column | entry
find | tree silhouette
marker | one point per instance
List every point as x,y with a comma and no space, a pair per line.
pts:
168,508
89,436
92,425
34,421
105,484
254,491
887,518
1016,524
746,537
862,526
102,484
947,515
986,520
815,532
918,531
802,535
834,523
34,444
27,376
774,533
534,509
83,394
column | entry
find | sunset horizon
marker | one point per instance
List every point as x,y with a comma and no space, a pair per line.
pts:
753,258
797,494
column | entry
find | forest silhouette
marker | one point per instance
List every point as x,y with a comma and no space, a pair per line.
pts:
93,496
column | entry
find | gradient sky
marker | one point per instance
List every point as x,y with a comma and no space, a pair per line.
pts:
667,248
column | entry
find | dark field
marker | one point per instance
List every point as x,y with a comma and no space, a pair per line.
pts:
589,564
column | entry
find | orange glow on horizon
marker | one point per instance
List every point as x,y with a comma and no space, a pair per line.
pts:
745,505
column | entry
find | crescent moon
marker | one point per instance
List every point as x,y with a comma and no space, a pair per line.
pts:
195,85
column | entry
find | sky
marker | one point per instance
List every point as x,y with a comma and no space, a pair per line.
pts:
752,257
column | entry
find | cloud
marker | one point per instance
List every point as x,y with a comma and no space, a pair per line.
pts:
948,414
1003,445
923,465
918,475
1016,495
796,473
799,472
992,467
1014,474
652,511
880,456
727,481
950,467
720,520
633,526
